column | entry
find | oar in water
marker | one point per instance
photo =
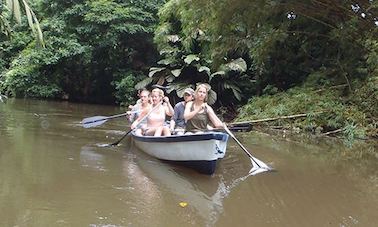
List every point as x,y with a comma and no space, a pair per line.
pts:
90,122
127,133
258,166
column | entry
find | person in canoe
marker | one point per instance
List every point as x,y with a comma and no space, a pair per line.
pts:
198,114
143,107
135,109
156,115
178,123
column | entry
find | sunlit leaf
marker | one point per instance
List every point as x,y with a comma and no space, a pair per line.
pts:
190,58
176,72
166,61
142,84
238,65
173,38
30,18
154,70
17,11
9,4
204,68
178,87
170,78
212,97
218,73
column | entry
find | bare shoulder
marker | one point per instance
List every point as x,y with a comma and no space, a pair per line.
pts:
209,108
189,104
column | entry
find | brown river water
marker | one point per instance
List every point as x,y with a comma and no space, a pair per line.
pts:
53,172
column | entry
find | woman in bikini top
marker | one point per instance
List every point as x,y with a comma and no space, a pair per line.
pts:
156,118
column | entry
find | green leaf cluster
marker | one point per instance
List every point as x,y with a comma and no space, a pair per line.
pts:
90,44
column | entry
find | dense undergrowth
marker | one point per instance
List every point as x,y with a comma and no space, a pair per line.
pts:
334,110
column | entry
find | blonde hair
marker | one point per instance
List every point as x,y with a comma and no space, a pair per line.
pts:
158,91
207,88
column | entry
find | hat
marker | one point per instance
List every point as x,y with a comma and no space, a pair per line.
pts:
189,91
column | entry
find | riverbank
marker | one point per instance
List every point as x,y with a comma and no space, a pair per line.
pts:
331,111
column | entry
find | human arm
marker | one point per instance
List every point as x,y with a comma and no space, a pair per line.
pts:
132,114
141,117
168,107
172,125
190,114
214,118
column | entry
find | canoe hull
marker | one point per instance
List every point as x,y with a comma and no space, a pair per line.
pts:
198,151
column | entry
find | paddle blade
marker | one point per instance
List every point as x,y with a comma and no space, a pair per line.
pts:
258,166
93,121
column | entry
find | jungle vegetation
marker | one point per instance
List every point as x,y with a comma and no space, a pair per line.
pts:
262,58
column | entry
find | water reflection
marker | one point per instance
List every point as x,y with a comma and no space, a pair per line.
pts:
204,194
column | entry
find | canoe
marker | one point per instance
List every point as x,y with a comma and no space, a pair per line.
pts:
198,151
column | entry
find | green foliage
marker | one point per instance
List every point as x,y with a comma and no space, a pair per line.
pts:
325,110
124,86
24,82
281,43
89,45
14,8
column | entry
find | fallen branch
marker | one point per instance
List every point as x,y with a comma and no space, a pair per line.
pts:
277,118
336,86
333,132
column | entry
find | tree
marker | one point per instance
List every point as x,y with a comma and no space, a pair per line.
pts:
283,43
13,6
95,51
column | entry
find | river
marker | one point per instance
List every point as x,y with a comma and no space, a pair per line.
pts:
53,172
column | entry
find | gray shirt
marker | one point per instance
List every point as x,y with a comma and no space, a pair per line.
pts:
178,115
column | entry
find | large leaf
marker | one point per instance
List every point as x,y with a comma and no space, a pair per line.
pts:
190,58
14,6
212,97
154,70
29,17
178,87
204,68
176,72
173,38
235,90
166,61
218,73
142,84
238,65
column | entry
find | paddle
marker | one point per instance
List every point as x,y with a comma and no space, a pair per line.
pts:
127,133
234,129
258,166
90,122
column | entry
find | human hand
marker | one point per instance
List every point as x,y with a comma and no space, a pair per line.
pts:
166,99
134,124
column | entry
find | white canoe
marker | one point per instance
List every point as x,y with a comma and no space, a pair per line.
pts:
198,151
